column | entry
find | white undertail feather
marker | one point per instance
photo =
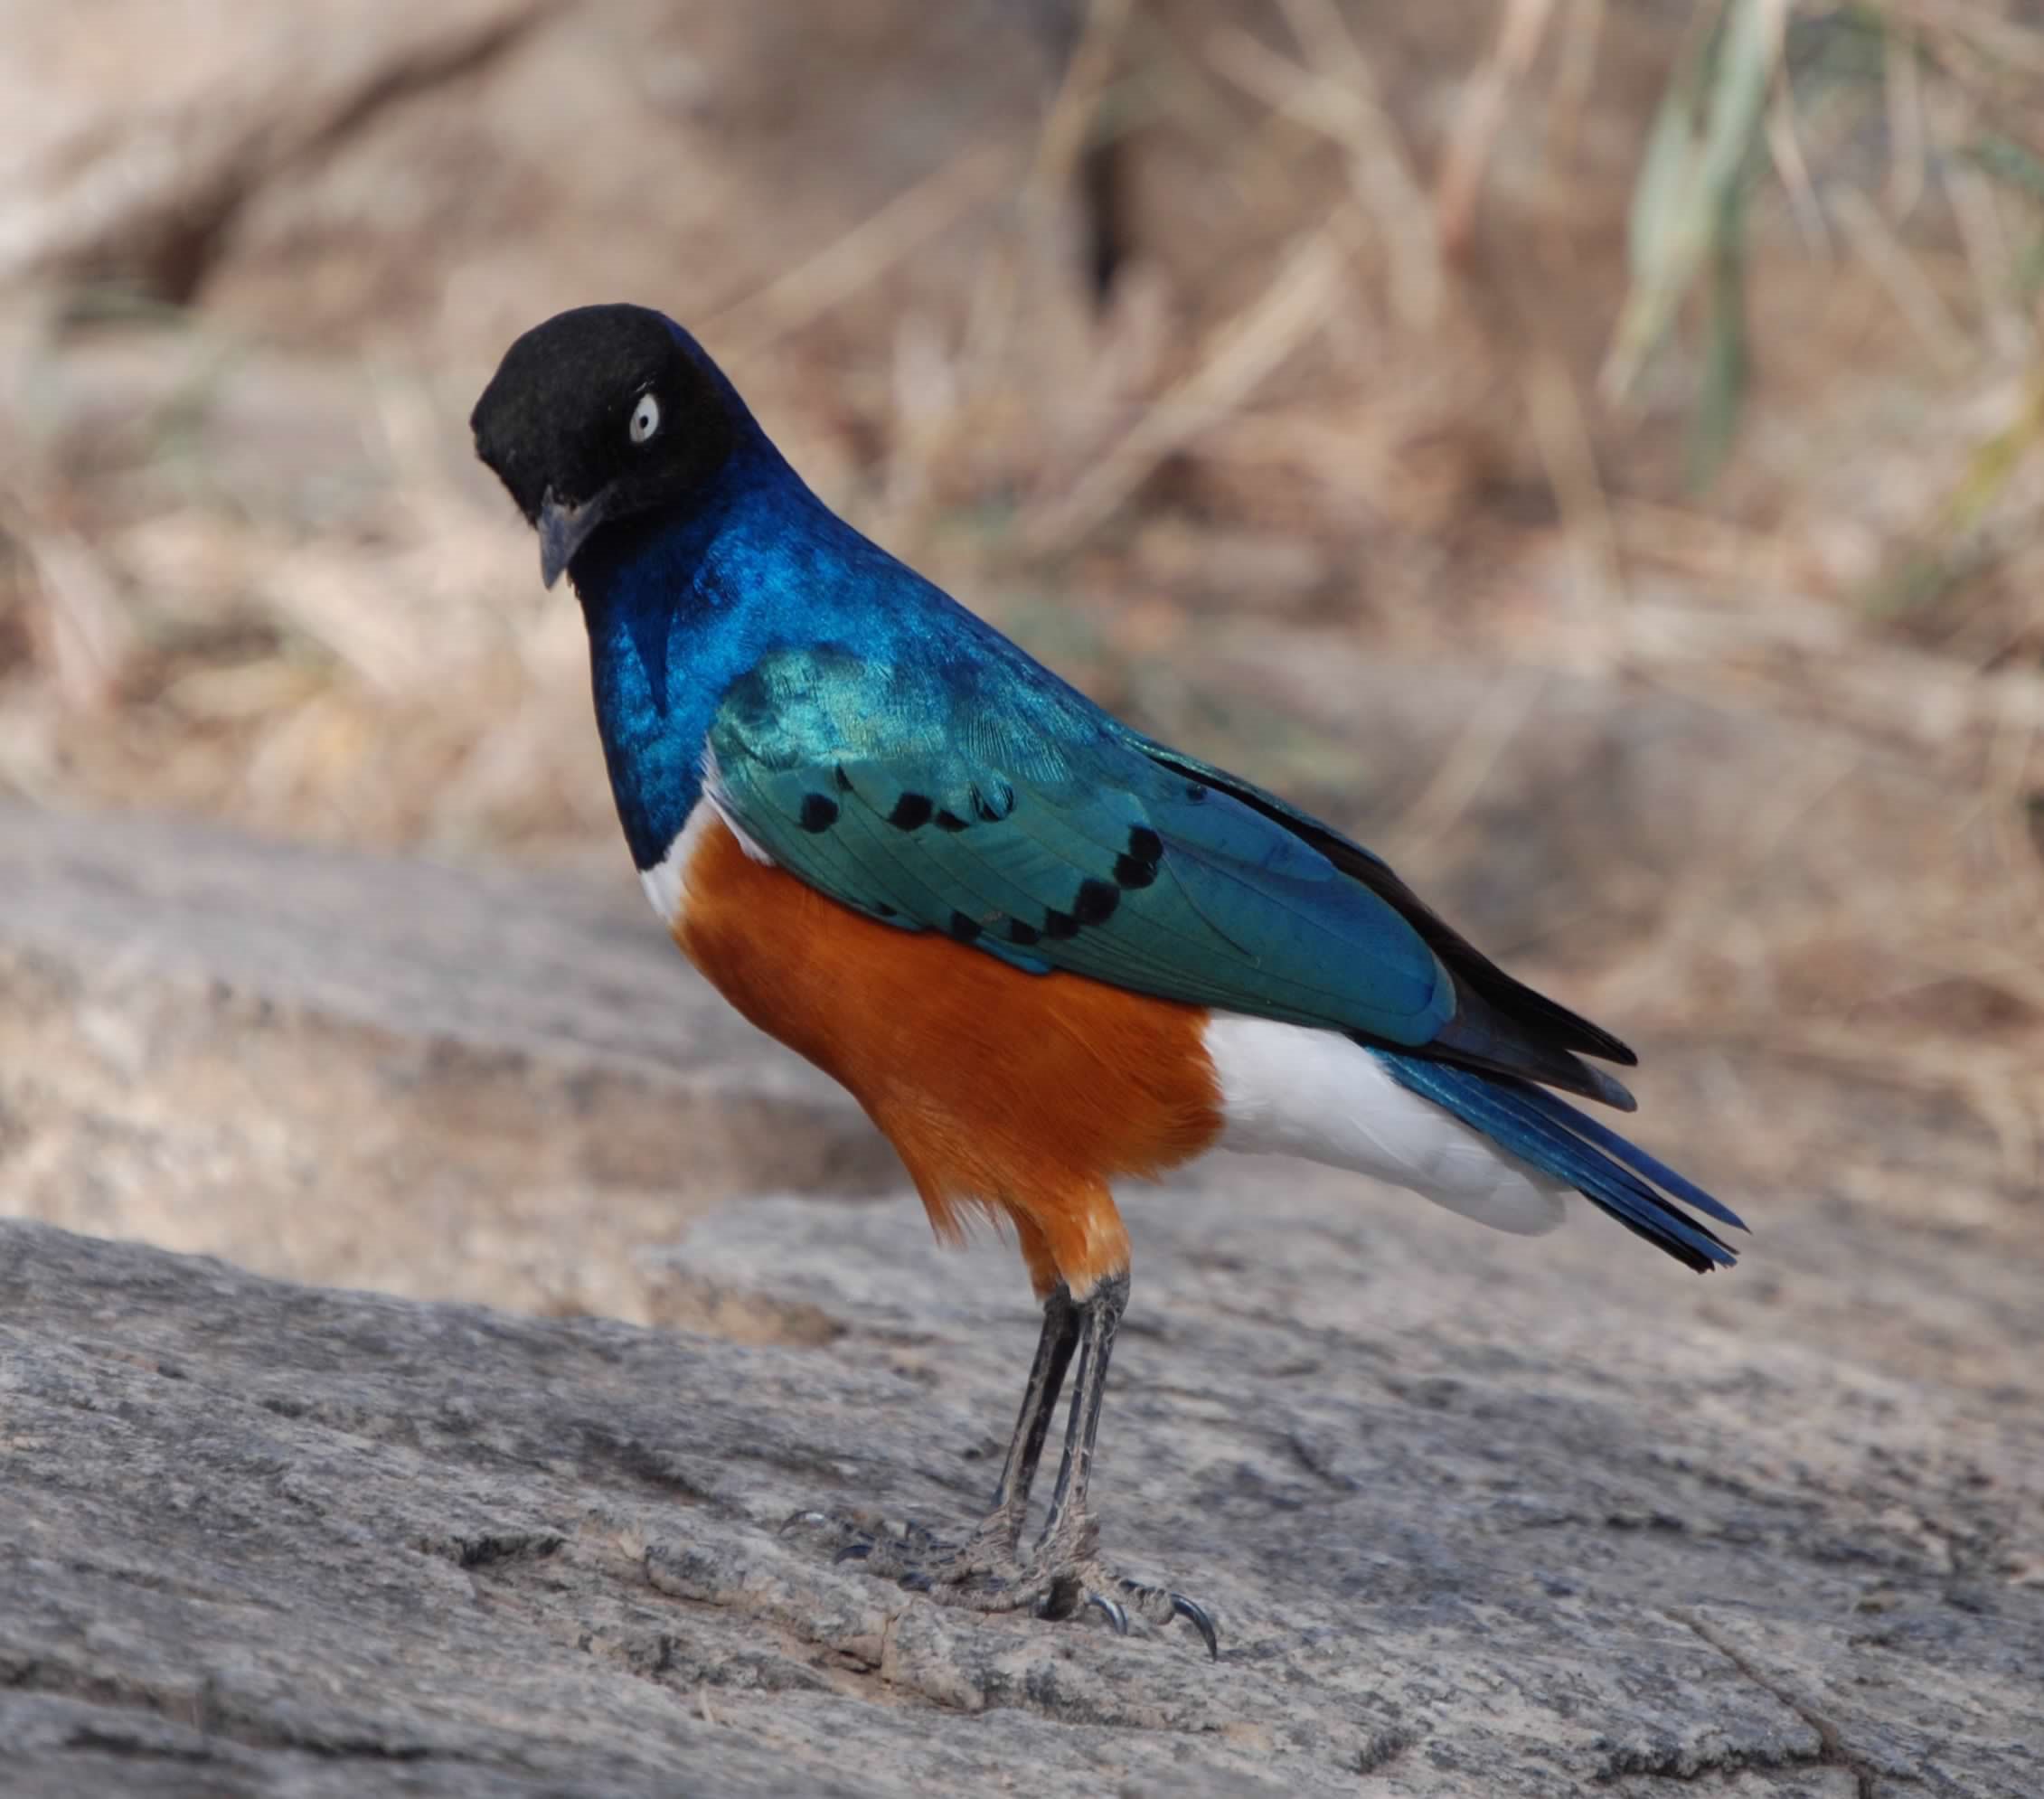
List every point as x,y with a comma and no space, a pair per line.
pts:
1289,1091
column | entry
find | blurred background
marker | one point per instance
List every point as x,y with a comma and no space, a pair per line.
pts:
1592,447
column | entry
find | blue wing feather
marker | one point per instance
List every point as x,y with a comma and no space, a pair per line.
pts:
1019,817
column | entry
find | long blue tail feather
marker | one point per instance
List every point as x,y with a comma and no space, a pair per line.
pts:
1634,1156
1615,1175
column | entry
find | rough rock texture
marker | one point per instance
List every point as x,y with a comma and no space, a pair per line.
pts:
1477,1516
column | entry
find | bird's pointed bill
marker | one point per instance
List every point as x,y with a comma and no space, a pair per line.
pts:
563,530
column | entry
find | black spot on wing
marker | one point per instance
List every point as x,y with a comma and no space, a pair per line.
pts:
819,812
912,811
1057,924
843,779
964,929
1023,934
1137,866
947,821
1095,902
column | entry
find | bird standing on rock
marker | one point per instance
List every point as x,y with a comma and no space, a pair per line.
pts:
1044,951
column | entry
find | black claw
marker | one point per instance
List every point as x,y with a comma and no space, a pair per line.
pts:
1197,1615
851,1552
1116,1616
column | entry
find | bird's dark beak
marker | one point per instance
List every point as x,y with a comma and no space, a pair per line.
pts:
564,528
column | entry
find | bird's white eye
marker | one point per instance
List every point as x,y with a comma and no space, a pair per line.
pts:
645,417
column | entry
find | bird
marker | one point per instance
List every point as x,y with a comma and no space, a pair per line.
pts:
1047,953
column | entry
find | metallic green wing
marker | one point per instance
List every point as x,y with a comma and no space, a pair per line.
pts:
1023,821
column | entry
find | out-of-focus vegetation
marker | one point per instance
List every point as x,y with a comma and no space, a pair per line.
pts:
1685,351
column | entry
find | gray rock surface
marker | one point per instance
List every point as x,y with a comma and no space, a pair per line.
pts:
1478,1516
428,1080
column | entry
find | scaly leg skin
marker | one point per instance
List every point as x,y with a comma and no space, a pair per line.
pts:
1062,1574
988,1559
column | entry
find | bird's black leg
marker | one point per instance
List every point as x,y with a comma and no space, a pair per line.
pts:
1061,1575
1099,1318
988,1554
1064,1555
1062,1324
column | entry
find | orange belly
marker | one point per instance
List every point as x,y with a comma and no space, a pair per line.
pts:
1025,1094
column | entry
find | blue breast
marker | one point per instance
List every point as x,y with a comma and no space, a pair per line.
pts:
677,610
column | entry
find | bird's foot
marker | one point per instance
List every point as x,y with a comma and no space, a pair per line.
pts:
1060,1578
1072,1590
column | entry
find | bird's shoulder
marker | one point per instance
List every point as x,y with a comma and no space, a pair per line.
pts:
955,785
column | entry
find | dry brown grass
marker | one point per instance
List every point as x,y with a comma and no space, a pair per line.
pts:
1346,383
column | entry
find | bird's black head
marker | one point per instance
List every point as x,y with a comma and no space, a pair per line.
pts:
599,415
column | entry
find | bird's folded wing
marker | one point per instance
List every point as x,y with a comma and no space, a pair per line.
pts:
1027,828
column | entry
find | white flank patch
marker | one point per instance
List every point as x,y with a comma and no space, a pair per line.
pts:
666,882
1288,1090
